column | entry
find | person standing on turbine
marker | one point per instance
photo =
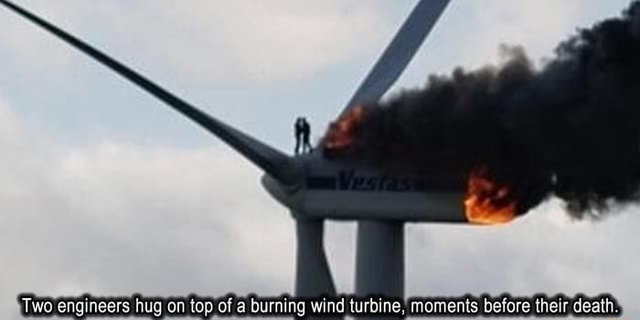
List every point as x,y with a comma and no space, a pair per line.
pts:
298,129
306,134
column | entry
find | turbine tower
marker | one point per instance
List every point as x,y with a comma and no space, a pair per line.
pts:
301,184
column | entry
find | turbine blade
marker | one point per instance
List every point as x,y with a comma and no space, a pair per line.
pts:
399,53
267,158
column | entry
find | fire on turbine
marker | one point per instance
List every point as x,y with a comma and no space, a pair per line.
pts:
487,202
341,133
567,128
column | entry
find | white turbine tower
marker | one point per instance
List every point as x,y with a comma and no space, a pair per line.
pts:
315,188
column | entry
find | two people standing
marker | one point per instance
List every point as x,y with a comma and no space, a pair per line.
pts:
302,131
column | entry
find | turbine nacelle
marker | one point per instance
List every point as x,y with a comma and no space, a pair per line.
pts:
341,190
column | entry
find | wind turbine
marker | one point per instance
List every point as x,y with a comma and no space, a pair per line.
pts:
316,188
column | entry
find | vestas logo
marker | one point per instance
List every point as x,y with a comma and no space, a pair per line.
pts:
349,180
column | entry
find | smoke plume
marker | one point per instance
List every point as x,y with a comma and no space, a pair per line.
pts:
569,128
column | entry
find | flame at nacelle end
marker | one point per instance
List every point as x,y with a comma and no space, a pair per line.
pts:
488,202
341,133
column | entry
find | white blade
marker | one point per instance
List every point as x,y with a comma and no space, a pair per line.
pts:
267,158
399,53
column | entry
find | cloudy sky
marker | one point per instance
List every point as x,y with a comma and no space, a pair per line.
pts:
105,190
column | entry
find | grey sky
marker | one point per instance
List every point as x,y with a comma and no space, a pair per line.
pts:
104,190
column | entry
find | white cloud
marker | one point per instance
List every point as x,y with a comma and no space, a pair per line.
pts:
540,25
544,252
211,40
113,218
27,48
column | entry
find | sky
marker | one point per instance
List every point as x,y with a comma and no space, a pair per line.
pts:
107,191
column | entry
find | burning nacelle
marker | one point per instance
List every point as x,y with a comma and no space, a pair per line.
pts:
518,133
437,195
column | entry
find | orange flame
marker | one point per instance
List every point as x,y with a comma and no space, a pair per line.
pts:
488,203
341,132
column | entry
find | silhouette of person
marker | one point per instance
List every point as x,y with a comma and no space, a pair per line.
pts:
306,134
298,129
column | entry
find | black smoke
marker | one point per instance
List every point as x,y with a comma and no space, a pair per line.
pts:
570,128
